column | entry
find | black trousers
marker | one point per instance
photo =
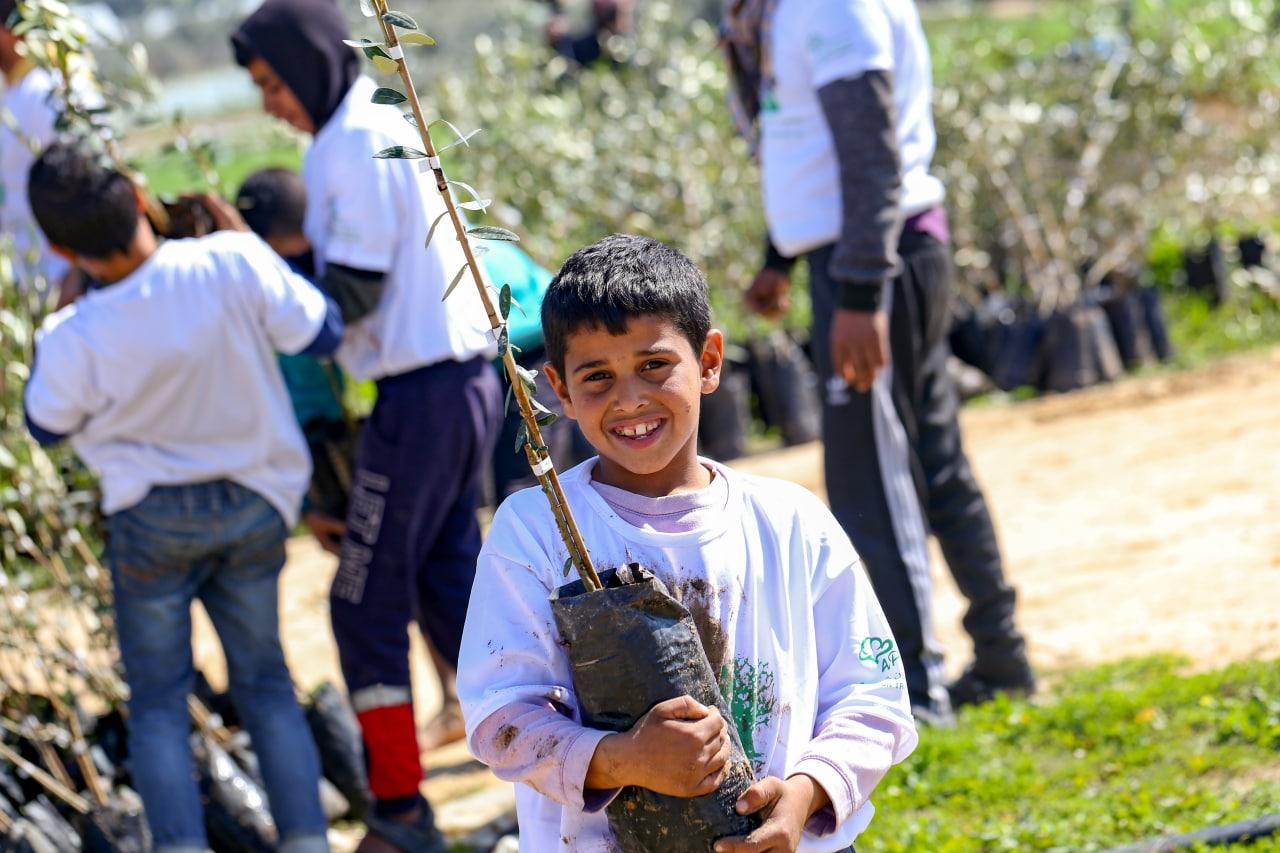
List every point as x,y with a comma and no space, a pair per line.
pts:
896,470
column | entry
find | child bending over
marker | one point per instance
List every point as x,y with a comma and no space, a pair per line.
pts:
782,603
164,377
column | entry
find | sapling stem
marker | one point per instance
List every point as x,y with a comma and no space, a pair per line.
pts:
50,784
535,447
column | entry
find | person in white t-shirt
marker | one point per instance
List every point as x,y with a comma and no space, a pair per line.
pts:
164,377
783,606
411,535
835,97
28,111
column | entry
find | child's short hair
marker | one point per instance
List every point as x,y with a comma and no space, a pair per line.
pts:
273,202
81,201
620,277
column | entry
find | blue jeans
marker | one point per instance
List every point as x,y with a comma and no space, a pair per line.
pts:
223,544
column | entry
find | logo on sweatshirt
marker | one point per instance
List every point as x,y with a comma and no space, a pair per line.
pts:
880,651
753,698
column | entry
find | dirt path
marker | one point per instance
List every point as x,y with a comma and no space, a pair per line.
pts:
1136,518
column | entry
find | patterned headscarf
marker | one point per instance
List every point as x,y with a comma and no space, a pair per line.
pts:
745,32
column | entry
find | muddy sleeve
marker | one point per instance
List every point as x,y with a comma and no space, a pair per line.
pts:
863,120
864,724
541,747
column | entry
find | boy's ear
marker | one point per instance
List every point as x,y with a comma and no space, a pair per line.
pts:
712,361
562,390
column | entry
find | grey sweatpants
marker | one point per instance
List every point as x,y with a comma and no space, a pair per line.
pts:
896,470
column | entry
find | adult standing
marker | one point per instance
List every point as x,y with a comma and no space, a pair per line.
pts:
28,113
411,536
836,94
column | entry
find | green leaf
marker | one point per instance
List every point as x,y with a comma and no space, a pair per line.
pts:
411,118
417,38
399,19
522,436
511,394
388,96
452,129
363,43
432,232
373,50
470,189
366,8
385,64
547,419
504,341
481,205
462,140
529,379
504,301
457,278
568,565
399,152
493,232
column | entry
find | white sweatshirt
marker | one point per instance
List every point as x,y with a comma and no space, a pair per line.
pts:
806,659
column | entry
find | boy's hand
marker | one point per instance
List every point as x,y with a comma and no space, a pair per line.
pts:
327,530
225,215
786,807
680,748
769,293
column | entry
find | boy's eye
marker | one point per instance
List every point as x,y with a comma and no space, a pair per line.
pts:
595,377
654,364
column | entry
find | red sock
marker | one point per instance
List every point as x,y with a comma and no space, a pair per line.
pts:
391,741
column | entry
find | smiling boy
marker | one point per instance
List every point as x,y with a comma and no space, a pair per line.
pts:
783,605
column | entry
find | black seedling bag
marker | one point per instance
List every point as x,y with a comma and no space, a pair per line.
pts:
235,809
631,646
338,741
118,827
25,837
52,825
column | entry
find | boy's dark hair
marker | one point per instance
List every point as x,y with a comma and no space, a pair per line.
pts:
82,202
273,202
620,277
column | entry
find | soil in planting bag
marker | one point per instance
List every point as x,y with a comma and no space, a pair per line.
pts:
1128,328
118,827
1206,271
1253,251
25,837
787,386
235,809
341,747
52,825
1153,317
726,416
631,646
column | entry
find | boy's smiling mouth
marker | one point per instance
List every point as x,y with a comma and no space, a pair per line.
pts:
638,431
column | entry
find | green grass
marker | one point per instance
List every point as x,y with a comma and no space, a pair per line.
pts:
173,173
1115,754
1201,333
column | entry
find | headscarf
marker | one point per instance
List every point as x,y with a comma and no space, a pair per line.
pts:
745,32
302,42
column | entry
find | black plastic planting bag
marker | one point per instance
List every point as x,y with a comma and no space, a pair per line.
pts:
235,809
631,646
25,837
341,747
52,825
118,827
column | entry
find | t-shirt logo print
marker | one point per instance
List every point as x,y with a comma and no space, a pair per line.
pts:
878,650
749,689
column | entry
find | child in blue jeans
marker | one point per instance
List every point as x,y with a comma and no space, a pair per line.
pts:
164,378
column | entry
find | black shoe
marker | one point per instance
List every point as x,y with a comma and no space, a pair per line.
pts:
974,688
421,836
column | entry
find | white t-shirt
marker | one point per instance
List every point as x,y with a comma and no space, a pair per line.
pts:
817,42
790,623
375,215
26,103
169,376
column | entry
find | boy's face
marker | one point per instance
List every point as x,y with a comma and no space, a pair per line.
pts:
637,397
289,245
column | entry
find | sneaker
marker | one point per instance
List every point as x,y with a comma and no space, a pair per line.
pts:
419,836
973,688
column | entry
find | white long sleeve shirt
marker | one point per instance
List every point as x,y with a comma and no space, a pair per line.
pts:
806,660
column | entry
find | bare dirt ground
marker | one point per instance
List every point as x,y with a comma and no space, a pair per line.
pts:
1135,518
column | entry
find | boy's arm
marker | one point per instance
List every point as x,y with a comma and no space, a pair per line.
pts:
864,724
297,315
59,396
